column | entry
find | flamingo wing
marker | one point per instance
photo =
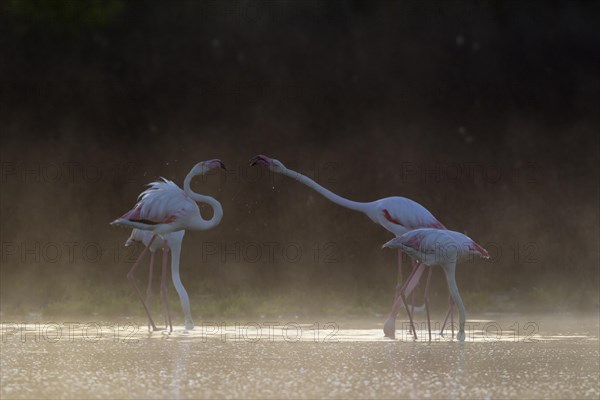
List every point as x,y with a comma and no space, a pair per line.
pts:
409,214
162,203
444,244
417,243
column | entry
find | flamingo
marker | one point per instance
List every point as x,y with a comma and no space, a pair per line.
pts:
396,214
164,209
433,247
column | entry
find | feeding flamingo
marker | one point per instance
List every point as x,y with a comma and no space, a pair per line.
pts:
396,214
164,209
435,247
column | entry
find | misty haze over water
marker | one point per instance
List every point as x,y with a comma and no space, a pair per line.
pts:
483,113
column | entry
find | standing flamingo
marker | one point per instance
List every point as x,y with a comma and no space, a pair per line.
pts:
164,209
396,214
436,247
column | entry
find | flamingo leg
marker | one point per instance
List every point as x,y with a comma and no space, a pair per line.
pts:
164,289
450,314
412,325
412,299
396,305
399,276
452,317
131,278
427,301
149,289
450,304
409,286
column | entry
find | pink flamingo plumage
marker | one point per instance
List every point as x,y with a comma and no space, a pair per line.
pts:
396,214
437,247
164,209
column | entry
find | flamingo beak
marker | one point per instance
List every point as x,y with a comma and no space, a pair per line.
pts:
260,160
388,244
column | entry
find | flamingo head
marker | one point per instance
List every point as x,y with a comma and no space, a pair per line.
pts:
478,249
205,166
271,163
394,243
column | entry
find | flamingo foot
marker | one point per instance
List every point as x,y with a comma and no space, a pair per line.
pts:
389,328
189,325
461,336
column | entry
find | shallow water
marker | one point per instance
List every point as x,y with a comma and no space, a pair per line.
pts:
503,356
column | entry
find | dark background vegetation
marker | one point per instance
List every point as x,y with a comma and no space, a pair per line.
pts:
484,112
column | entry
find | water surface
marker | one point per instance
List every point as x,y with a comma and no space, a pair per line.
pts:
502,357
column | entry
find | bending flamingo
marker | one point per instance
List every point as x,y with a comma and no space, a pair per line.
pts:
163,209
396,214
436,247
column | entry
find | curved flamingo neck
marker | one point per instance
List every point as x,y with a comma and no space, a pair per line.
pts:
450,271
201,223
328,194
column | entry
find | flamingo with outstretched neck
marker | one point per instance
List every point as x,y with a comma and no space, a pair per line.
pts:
396,214
440,247
164,209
